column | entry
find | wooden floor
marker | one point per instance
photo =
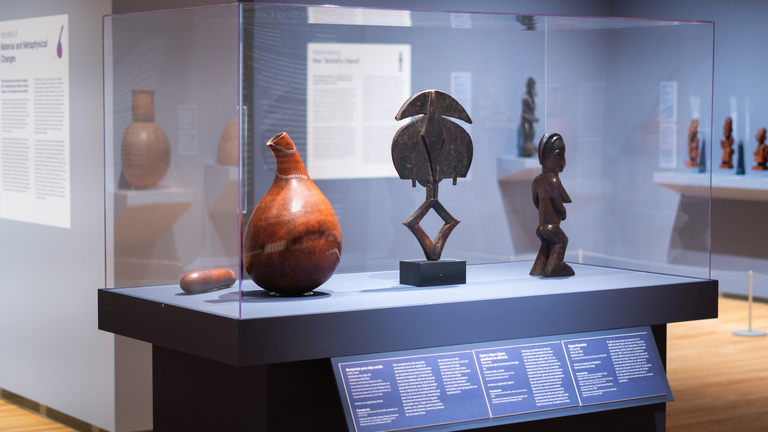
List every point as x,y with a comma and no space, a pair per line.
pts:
15,419
719,381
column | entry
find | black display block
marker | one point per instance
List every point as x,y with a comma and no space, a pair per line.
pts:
424,273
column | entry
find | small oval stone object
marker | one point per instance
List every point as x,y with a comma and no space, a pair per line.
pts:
200,281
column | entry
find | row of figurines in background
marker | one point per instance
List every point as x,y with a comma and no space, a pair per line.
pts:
726,144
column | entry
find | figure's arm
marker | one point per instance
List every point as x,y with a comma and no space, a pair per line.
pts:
530,117
559,196
535,194
528,109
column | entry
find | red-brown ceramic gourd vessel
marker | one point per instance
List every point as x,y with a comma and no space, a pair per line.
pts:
292,242
145,154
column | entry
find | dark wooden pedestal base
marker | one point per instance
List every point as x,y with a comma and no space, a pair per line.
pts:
194,394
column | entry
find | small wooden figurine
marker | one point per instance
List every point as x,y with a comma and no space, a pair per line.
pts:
549,197
525,145
693,144
727,144
761,154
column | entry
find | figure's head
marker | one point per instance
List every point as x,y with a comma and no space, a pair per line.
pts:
728,127
760,135
530,86
552,151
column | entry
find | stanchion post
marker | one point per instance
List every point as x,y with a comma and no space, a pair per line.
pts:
749,332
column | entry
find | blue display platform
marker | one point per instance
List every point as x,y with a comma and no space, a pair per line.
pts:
255,369
372,312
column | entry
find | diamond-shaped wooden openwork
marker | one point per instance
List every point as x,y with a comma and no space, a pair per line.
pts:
432,248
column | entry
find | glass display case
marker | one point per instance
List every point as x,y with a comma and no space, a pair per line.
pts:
192,96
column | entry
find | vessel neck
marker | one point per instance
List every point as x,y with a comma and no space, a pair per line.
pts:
143,105
287,158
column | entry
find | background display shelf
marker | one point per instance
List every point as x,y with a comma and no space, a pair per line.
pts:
723,186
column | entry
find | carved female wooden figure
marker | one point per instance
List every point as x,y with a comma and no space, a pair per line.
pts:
549,197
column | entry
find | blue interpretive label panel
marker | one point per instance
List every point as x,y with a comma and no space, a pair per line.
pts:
525,378
505,381
613,368
408,392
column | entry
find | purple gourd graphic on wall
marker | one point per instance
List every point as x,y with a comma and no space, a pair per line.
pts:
59,47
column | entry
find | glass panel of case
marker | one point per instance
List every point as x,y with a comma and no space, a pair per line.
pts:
622,93
171,144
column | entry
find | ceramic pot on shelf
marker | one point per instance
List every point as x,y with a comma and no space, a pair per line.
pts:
228,151
292,241
145,154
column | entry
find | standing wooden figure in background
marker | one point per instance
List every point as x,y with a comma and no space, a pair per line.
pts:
727,144
693,144
525,145
761,153
549,197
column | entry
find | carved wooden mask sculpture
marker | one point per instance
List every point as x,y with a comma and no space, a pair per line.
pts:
427,150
